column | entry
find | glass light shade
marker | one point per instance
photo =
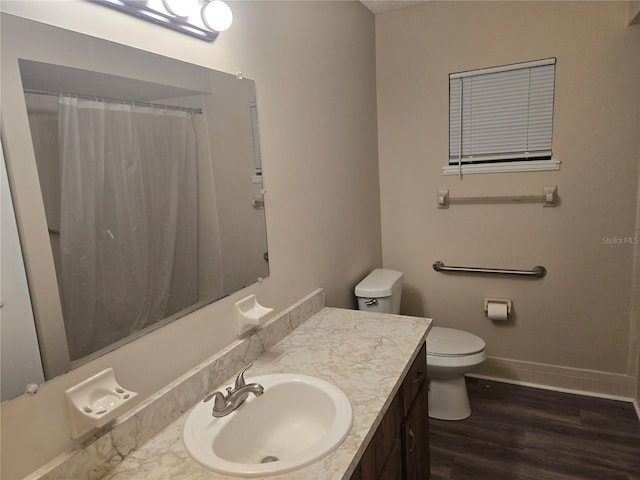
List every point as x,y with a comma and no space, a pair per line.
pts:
180,8
217,15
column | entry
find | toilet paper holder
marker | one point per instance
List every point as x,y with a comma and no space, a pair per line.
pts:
506,301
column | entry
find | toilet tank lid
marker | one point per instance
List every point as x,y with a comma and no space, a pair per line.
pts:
381,282
443,341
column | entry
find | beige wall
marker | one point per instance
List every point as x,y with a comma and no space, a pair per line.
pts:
577,317
314,67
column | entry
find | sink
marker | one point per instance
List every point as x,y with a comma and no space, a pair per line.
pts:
296,421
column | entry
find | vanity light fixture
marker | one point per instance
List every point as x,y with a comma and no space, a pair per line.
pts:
180,8
217,15
203,19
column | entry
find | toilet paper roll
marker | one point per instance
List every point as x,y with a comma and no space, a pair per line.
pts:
497,311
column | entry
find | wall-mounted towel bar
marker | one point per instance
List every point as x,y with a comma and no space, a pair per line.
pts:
537,271
549,198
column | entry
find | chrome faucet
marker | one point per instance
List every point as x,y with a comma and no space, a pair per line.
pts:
225,404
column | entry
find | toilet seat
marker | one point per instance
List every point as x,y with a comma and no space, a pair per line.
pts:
449,342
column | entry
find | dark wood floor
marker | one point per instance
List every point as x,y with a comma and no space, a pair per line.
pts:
521,433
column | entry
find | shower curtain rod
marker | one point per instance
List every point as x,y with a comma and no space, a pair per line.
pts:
112,100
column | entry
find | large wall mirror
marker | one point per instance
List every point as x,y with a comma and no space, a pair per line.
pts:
137,184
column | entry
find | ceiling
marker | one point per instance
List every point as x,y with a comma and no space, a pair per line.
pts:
380,6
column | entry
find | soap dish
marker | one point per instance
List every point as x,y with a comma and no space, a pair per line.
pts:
249,314
96,401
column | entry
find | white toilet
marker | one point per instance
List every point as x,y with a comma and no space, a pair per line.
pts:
450,353
380,291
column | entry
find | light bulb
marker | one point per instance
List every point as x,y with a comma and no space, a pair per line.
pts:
217,15
180,8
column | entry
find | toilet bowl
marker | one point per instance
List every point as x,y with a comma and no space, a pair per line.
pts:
450,355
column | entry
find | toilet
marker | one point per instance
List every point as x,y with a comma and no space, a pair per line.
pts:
451,353
380,291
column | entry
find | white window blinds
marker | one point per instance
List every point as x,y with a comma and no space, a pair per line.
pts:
502,113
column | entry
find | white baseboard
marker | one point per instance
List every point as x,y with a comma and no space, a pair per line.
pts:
558,389
595,383
637,407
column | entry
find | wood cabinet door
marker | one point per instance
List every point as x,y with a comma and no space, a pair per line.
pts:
415,439
392,469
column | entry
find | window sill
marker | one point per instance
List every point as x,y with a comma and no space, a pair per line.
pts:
525,166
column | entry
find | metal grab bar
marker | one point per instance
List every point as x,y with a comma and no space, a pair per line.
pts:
538,271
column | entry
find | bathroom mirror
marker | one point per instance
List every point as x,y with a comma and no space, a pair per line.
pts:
137,183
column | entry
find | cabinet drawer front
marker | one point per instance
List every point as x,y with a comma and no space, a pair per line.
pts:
415,378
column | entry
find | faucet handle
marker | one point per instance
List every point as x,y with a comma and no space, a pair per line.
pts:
219,402
240,378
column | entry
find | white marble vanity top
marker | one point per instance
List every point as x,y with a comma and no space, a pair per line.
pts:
364,354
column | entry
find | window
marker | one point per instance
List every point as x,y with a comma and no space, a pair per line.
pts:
502,115
253,109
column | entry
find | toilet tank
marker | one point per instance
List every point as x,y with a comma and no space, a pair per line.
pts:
380,291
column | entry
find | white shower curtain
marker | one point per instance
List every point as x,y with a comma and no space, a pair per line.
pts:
128,226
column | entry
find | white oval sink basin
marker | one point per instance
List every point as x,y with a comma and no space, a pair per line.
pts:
296,421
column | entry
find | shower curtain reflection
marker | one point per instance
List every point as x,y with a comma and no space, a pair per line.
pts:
128,219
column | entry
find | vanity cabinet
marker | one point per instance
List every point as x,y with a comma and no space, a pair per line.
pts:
399,450
415,438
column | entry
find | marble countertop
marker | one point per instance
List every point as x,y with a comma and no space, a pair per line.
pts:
364,354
